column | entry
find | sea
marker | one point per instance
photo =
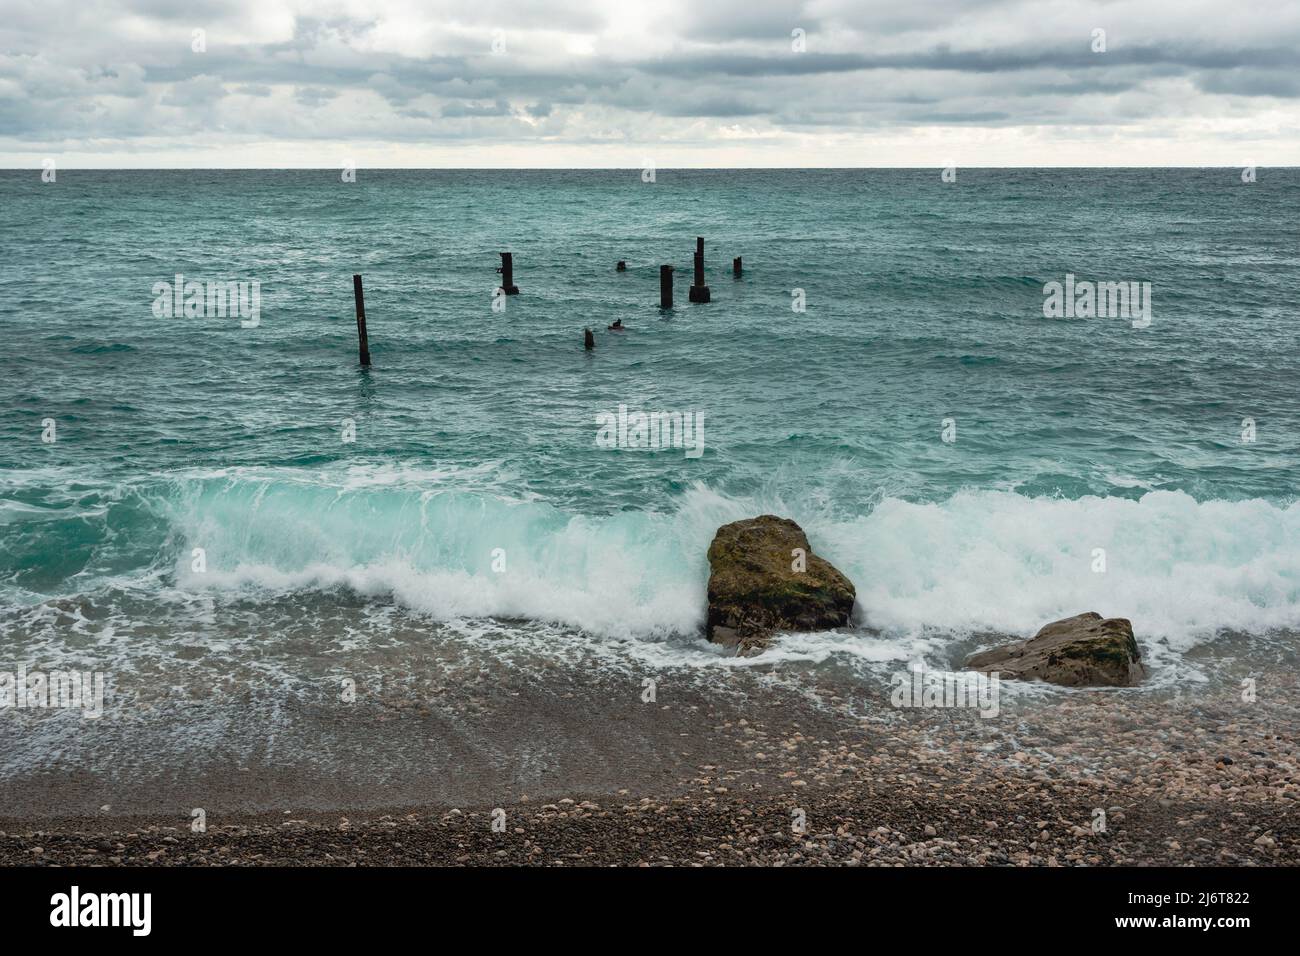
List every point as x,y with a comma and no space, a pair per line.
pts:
202,497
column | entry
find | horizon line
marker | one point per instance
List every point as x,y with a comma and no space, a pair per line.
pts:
609,168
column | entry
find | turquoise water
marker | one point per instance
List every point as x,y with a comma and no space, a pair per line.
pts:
476,429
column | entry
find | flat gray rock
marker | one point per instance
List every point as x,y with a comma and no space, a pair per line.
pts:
1086,650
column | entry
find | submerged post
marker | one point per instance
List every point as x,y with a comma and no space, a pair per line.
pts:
665,287
362,340
507,271
735,266
699,291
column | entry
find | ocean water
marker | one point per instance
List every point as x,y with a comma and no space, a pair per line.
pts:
475,516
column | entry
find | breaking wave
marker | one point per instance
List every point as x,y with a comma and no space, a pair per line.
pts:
453,545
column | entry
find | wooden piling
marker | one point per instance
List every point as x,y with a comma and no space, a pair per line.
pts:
699,292
665,287
735,266
507,271
362,339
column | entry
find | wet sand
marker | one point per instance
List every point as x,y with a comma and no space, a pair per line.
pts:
721,768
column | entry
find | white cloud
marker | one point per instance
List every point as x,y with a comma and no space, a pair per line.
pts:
413,82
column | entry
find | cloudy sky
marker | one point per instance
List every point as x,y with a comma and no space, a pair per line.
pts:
493,83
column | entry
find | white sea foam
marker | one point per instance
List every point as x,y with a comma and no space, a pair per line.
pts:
982,560
1178,568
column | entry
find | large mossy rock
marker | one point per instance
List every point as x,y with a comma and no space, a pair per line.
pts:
1086,650
756,588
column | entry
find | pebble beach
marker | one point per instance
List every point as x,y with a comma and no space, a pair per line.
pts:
816,777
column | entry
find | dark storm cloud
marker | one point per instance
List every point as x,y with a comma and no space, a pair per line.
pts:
970,61
1275,83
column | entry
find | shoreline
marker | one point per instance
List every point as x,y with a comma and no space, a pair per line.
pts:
705,776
